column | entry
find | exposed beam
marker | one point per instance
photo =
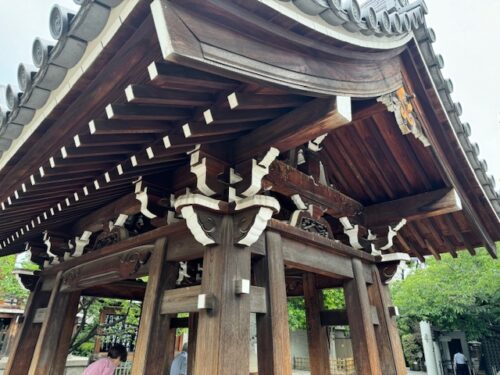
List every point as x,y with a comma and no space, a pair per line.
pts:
317,117
141,94
432,203
289,181
454,228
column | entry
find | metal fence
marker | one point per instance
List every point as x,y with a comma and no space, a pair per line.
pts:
340,366
124,368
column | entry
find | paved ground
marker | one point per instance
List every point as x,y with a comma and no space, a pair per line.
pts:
298,372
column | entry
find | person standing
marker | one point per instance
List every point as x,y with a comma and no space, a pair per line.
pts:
180,362
106,366
460,364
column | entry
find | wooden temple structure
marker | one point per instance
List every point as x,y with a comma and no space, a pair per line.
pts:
236,152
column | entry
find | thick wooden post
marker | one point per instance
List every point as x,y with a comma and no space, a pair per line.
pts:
364,343
192,333
390,349
317,336
53,342
273,337
24,345
222,343
155,339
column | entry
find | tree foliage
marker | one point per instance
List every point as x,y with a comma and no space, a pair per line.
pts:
332,299
452,294
9,286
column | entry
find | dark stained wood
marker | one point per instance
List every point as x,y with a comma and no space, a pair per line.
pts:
245,45
334,318
24,345
118,127
301,256
128,289
192,334
289,181
149,94
314,240
224,332
273,340
446,155
155,338
173,76
455,229
387,334
238,101
298,126
317,336
432,203
51,350
146,112
364,343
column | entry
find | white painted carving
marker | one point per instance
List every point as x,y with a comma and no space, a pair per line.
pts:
199,169
142,196
183,274
81,242
392,233
315,144
259,170
352,232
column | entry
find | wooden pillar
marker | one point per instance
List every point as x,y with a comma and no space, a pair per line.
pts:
155,339
273,337
192,333
364,343
53,342
223,339
317,336
24,345
390,349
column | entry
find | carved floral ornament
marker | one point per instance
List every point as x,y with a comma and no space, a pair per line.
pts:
252,210
399,102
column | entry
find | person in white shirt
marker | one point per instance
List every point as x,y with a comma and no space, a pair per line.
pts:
460,364
179,364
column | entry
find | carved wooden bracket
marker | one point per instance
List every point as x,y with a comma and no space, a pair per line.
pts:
38,253
110,235
399,102
202,211
131,264
309,217
389,265
58,246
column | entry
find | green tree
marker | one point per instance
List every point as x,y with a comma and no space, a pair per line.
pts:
333,299
9,285
453,294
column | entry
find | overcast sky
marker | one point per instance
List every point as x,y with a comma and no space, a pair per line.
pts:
468,37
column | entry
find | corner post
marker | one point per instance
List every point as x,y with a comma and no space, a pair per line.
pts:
364,343
223,336
273,337
317,338
155,339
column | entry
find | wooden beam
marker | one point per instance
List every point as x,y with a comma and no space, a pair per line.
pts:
142,94
173,76
299,255
182,300
364,343
155,338
317,337
117,127
241,100
334,318
289,181
146,112
127,289
317,117
273,338
425,205
455,229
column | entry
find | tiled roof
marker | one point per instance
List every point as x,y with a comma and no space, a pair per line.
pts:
72,31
